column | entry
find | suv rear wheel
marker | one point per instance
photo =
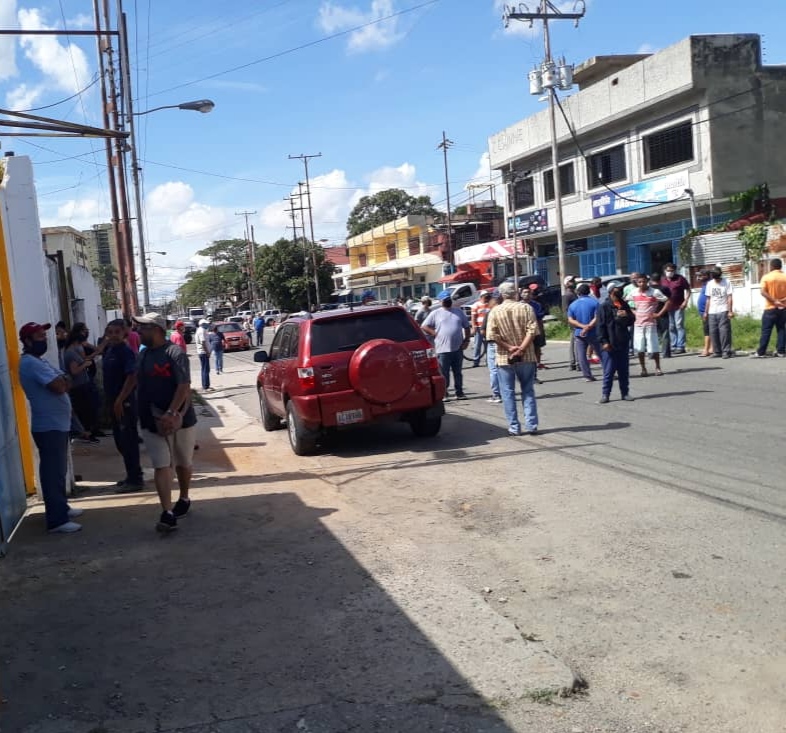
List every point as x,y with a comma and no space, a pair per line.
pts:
424,426
269,421
302,440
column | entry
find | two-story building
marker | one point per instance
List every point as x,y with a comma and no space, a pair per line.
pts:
71,242
398,259
645,139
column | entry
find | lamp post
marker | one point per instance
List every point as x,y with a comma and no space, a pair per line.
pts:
200,105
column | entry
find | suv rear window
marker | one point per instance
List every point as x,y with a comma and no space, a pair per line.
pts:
347,334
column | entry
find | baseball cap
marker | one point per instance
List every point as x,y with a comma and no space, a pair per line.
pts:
178,324
614,285
444,295
151,319
483,292
32,327
568,279
533,286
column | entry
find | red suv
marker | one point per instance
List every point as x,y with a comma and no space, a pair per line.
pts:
347,367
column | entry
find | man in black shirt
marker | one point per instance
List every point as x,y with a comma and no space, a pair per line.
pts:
615,318
166,415
119,370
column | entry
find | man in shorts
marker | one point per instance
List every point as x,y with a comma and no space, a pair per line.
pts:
166,416
649,305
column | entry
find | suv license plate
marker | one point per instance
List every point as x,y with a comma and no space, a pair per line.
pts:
347,417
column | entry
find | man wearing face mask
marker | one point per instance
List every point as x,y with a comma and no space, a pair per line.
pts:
678,302
78,431
50,416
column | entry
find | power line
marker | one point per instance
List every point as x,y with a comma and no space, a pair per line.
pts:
301,47
62,101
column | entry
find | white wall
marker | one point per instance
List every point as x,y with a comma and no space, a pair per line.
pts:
87,302
31,292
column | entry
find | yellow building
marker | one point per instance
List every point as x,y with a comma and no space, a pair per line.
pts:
399,259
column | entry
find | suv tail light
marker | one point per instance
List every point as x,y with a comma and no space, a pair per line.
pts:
433,364
306,377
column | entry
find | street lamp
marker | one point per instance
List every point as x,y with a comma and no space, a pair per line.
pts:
200,105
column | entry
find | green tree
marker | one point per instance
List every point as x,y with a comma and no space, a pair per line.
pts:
226,276
393,203
106,277
286,272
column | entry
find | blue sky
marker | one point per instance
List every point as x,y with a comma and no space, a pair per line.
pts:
373,101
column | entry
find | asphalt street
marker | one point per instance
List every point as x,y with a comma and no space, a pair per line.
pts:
641,542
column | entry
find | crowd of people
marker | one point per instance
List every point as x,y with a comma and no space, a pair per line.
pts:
145,396
644,318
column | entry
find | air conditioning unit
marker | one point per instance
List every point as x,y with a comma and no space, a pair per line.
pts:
421,278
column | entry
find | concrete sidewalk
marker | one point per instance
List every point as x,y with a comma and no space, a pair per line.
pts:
276,606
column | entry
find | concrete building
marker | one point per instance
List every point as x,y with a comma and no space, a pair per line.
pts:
70,242
397,259
101,249
704,116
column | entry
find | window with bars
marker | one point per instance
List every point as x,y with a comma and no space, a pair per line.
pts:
391,249
414,245
362,259
524,194
567,182
668,147
606,167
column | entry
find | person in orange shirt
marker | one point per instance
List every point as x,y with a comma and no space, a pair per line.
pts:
177,336
773,290
478,313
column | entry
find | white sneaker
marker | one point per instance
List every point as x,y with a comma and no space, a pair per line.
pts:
67,528
74,513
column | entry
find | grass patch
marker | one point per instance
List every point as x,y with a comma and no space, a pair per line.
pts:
745,330
543,696
197,398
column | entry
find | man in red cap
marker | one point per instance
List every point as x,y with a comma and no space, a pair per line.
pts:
50,414
177,336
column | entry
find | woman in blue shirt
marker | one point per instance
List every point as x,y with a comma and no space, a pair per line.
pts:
704,277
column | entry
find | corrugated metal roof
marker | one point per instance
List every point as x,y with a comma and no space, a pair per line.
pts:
723,247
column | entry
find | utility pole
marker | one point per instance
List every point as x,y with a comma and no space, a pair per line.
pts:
550,78
293,216
250,255
444,145
305,159
255,292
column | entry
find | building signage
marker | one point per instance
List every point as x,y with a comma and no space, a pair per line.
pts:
640,195
530,223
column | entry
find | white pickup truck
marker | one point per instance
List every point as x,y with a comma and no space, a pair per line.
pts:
460,293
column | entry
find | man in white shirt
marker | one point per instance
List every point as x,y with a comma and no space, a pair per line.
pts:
203,352
718,313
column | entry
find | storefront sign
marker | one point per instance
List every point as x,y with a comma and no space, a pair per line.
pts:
530,223
640,195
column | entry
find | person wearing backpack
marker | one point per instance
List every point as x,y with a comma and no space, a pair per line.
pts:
166,416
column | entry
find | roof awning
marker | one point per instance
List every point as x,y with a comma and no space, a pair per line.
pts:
499,249
462,276
402,263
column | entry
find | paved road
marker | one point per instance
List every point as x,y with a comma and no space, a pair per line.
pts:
641,541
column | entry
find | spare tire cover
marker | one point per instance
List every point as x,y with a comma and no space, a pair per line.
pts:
382,371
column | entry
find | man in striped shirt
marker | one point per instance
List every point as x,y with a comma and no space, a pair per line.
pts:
478,313
512,326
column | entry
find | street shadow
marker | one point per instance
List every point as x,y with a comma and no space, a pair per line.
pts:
684,393
586,428
252,615
550,395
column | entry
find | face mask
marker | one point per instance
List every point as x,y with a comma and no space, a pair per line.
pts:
38,348
61,343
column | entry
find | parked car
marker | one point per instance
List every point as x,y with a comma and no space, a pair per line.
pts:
551,295
605,280
235,338
340,368
272,316
236,319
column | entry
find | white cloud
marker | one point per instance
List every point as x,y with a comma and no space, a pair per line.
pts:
647,48
334,18
8,43
23,96
169,199
79,213
65,66
404,176
82,21
173,213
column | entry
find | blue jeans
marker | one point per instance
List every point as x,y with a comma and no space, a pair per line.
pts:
204,363
525,372
477,346
491,361
219,360
126,438
260,332
677,329
616,361
582,344
52,469
450,361
773,318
